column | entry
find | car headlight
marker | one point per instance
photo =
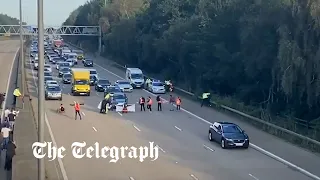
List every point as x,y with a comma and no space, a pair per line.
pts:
131,88
99,86
246,139
227,139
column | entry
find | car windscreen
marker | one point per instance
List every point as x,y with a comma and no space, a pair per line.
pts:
119,96
93,72
103,82
136,76
65,64
81,82
93,78
114,89
231,129
157,84
123,82
47,66
53,88
48,78
53,82
65,70
67,76
58,59
89,61
47,74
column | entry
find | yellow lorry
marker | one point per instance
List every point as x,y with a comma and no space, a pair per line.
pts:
80,84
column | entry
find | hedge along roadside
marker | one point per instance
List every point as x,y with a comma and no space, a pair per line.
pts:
293,137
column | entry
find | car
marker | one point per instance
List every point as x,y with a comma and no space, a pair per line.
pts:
101,85
36,65
124,85
51,82
156,87
228,135
33,59
55,60
66,78
48,78
47,74
111,90
93,80
53,92
64,70
118,98
62,64
70,61
88,63
47,68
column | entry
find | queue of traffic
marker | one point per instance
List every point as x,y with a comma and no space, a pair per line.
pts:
85,79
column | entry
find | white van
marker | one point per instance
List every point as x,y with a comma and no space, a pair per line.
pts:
73,56
64,52
135,76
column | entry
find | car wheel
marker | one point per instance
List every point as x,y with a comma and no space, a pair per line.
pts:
60,99
223,144
210,136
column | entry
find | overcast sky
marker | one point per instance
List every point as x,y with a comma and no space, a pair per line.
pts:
55,11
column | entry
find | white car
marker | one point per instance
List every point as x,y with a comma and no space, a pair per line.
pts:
62,64
156,87
48,68
70,61
124,85
36,65
36,58
52,82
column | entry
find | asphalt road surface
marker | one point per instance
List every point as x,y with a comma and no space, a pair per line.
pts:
185,151
8,49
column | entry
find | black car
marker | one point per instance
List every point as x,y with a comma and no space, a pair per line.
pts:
64,70
101,85
66,78
93,80
88,63
228,135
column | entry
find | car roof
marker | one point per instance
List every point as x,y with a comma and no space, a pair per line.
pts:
224,123
123,81
52,81
119,93
134,70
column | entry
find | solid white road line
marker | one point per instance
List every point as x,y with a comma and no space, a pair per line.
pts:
207,147
177,128
94,129
4,105
83,113
194,177
120,113
61,165
160,148
131,178
136,128
253,177
261,150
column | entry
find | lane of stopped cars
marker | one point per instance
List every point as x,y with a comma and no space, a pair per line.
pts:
81,80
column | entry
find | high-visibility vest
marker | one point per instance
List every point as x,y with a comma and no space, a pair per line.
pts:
141,101
16,92
77,106
150,102
178,102
107,96
205,95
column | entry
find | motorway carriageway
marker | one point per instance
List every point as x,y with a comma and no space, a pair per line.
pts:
185,152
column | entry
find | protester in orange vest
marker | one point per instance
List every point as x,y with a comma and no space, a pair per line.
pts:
178,103
159,103
76,106
142,101
149,103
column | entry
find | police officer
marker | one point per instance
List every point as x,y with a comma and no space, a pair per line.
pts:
103,106
16,93
159,103
149,104
142,101
205,98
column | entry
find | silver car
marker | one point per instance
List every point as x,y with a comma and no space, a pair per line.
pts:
156,87
53,92
124,85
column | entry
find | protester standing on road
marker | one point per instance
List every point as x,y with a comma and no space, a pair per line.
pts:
142,101
159,103
11,152
76,106
178,103
5,132
6,113
2,96
12,118
171,101
16,93
149,104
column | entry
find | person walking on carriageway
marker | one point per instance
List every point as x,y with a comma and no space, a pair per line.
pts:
149,104
76,106
159,100
142,101
178,103
172,101
205,98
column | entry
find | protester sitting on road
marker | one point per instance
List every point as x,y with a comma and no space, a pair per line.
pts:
61,109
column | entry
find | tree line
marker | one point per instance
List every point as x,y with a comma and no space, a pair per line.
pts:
261,53
7,20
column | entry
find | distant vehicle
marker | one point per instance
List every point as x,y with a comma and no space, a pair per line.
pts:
80,82
118,98
93,80
62,64
135,76
156,87
64,70
64,52
47,74
54,60
72,56
93,72
88,63
48,67
57,43
36,65
124,85
48,78
80,54
228,135
112,90
66,78
70,61
48,83
102,84
53,92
